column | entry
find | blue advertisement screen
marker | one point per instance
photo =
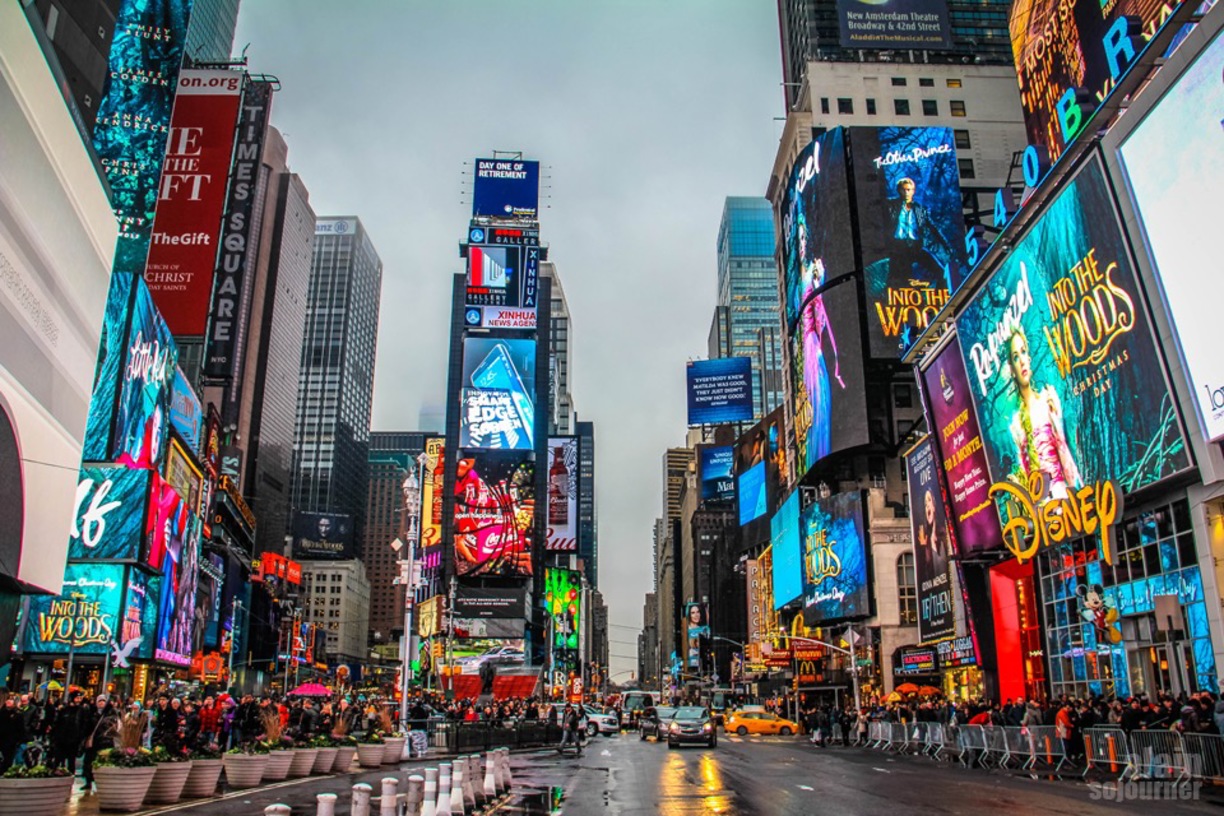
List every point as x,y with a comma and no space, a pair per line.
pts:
109,520
717,481
784,534
498,396
506,188
751,492
719,391
835,584
177,602
186,413
894,24
142,415
84,616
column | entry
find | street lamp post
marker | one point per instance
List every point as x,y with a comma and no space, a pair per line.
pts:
851,653
412,517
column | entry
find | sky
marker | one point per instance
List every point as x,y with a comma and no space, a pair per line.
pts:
644,115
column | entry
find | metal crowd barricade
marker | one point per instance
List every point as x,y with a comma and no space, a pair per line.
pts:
1043,747
897,737
1106,750
935,737
972,744
996,745
1204,756
1020,745
1158,754
877,734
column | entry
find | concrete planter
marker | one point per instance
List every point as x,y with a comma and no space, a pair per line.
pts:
394,750
122,788
344,758
325,760
370,756
303,761
278,765
167,785
244,770
202,781
34,797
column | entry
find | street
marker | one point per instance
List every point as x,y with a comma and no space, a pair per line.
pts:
745,776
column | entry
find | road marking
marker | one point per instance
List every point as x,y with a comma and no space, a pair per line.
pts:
881,770
605,752
804,787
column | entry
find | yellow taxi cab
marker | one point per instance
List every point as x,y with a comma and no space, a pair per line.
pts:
759,721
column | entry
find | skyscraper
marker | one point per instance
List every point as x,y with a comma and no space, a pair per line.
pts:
588,517
336,384
748,290
561,401
210,36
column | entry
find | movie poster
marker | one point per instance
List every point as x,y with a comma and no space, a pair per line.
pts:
835,583
911,229
1069,387
84,617
177,604
139,615
958,442
142,416
494,515
932,545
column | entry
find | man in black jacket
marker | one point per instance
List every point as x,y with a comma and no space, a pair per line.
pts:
12,732
65,734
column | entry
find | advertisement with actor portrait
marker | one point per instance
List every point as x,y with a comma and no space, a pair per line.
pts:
494,514
932,544
323,536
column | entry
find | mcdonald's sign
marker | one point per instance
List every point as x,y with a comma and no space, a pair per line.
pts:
805,671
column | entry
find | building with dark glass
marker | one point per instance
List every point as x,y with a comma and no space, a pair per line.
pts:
210,34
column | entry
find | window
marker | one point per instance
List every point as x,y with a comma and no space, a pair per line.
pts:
907,590
901,107
845,105
824,104
871,107
966,168
898,82
954,83
958,107
926,83
903,396
930,107
962,139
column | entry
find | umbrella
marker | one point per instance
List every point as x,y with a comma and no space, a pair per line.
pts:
907,688
54,685
930,691
311,690
893,698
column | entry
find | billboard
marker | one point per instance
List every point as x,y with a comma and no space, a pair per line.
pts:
190,197
494,514
142,413
490,602
139,612
1060,359
784,542
1175,168
323,536
167,522
186,413
816,230
502,278
750,489
185,477
506,188
498,394
432,492
932,544
958,442
177,602
207,610
715,465
765,443
1068,55
110,505
562,494
84,617
828,391
719,390
911,229
756,610
894,24
696,633
563,601
834,542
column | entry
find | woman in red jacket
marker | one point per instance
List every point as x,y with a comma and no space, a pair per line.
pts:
210,722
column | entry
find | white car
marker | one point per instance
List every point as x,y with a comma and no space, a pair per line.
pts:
500,656
600,723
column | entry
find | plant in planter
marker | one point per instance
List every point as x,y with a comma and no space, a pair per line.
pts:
36,791
206,769
281,755
328,748
173,768
345,751
370,749
244,765
123,773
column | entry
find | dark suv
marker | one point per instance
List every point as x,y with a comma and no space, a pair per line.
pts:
691,724
653,722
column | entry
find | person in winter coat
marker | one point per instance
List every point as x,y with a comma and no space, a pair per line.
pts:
12,732
65,733
103,722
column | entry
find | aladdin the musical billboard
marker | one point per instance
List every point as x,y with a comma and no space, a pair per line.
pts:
932,545
494,514
834,549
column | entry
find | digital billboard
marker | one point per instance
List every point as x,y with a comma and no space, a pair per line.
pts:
563,601
494,514
177,602
502,286
719,390
205,616
1060,359
110,503
894,24
826,376
167,522
911,229
562,494
1174,164
490,602
697,633
784,543
765,443
186,413
932,545
83,618
185,476
834,548
142,414
958,441
1068,54
323,536
715,465
498,395
750,490
139,624
816,231
506,188
432,492
183,245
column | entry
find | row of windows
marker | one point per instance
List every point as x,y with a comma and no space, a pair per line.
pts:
924,82
901,107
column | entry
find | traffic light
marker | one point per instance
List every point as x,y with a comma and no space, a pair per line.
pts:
416,666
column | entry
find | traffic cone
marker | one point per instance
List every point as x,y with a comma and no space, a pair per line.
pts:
444,789
429,804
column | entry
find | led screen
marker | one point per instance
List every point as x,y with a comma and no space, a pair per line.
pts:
911,229
146,379
432,492
719,390
697,633
765,443
177,603
784,541
1174,161
139,625
323,536
750,488
84,617
835,584
494,514
932,545
498,394
717,481
563,600
1060,358
506,188
109,513
563,494
186,413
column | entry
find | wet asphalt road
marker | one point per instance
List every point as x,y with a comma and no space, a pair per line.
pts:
752,776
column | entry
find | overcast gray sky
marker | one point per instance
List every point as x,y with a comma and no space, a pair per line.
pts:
644,115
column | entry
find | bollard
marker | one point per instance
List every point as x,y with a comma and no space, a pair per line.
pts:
388,803
503,767
490,776
444,789
414,796
276,810
429,804
327,804
495,756
509,773
361,799
469,787
456,798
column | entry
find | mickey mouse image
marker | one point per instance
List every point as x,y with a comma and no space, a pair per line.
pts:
1099,610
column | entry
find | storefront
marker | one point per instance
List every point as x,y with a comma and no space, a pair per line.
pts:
918,665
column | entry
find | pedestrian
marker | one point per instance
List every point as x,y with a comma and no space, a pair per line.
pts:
12,732
103,724
65,733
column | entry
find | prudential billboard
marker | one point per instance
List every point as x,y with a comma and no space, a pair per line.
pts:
506,188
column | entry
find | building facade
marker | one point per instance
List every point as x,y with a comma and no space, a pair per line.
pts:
336,597
210,36
561,416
